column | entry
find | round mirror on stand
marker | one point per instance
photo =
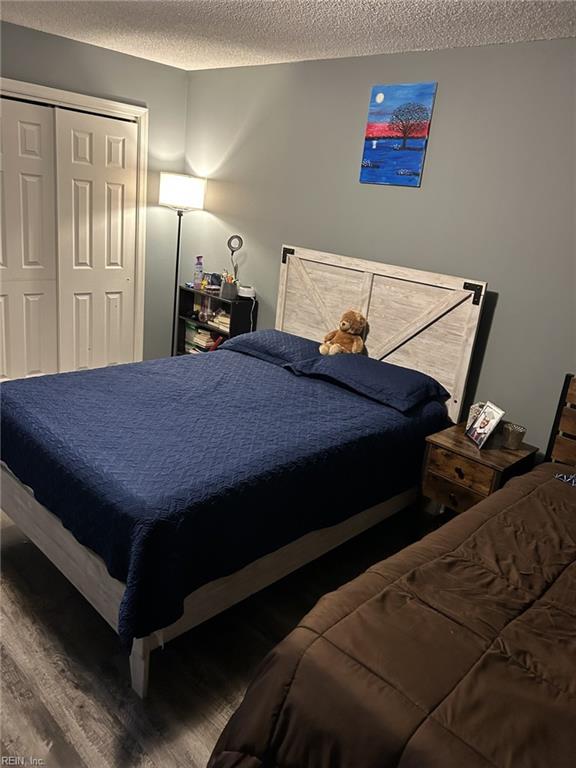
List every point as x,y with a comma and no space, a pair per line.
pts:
235,242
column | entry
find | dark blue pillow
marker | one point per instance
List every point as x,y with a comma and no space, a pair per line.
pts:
400,388
273,346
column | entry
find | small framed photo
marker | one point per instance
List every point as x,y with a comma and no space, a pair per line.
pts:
484,424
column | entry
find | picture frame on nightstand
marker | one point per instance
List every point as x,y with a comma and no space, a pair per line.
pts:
484,424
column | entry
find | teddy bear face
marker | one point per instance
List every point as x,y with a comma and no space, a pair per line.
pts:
352,322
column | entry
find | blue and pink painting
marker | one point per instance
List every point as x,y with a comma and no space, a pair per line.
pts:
397,134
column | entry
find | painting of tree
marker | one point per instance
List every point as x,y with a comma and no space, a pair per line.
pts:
409,120
396,135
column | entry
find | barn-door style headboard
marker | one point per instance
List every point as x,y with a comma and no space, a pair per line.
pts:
417,319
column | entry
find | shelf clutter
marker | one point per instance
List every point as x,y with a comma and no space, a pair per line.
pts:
206,320
198,340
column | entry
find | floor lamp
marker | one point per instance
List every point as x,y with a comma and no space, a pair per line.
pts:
182,193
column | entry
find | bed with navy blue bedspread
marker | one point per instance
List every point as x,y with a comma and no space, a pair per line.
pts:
182,470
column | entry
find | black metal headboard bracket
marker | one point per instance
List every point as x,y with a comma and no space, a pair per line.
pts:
476,289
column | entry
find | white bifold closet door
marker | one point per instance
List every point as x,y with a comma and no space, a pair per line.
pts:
67,239
28,316
96,181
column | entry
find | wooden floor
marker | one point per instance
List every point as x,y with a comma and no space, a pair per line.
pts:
66,697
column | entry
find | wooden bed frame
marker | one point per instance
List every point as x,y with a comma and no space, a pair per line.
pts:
417,319
562,443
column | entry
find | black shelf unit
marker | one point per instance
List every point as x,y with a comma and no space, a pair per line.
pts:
243,314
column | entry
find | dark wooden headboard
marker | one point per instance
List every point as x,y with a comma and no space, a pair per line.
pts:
562,444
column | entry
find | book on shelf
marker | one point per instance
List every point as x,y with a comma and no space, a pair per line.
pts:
216,343
198,345
198,334
221,315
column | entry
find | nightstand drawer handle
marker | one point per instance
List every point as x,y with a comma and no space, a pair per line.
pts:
460,472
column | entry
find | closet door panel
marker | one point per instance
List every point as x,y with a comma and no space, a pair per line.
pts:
4,339
28,339
28,314
28,196
97,172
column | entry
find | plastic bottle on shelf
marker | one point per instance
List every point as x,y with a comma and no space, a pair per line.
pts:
198,271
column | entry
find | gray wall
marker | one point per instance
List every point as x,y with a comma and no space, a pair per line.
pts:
282,145
61,63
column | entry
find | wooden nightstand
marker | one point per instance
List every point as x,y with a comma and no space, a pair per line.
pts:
459,475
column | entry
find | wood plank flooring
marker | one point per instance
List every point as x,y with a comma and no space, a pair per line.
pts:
65,693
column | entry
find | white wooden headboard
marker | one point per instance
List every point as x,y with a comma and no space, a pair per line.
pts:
417,319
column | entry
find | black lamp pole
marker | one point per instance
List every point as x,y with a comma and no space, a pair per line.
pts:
176,281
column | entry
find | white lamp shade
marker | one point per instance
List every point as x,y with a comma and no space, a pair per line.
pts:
182,192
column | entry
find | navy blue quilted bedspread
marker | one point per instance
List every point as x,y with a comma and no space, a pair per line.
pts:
182,470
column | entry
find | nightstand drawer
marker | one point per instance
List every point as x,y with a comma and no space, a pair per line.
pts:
450,465
452,495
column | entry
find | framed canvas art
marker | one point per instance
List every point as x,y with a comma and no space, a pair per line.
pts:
397,134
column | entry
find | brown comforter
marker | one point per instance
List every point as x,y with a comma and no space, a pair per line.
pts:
459,651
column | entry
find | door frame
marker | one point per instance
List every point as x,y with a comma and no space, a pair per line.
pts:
41,94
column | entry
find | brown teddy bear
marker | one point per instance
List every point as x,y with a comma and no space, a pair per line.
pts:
348,336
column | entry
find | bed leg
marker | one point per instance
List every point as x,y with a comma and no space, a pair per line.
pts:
139,664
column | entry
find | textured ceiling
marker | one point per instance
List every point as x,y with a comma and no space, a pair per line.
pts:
207,34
